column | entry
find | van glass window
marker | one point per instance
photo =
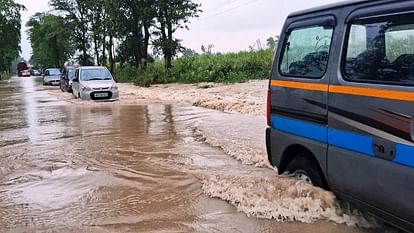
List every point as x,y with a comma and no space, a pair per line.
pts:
381,51
306,52
357,41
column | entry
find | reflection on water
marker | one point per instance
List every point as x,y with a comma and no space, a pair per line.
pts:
112,168
31,111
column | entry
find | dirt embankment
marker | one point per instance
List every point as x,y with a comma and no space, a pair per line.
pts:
244,98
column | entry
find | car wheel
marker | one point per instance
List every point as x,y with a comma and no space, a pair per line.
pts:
304,169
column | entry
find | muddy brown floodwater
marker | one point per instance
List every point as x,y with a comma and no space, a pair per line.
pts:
146,168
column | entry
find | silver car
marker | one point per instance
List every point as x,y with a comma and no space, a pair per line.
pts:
52,77
94,83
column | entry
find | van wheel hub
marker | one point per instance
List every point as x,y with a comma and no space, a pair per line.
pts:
301,175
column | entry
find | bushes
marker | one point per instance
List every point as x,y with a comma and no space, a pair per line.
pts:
4,76
228,68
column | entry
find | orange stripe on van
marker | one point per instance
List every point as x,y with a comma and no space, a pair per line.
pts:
300,85
357,91
372,92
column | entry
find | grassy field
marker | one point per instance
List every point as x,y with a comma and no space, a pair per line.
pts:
227,68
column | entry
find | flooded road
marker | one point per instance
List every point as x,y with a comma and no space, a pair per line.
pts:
145,168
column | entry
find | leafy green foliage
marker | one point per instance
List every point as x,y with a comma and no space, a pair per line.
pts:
75,13
49,36
171,16
227,68
10,25
133,24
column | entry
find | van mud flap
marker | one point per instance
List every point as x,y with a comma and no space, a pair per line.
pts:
268,146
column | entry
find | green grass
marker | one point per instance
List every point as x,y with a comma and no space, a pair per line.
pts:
227,68
5,76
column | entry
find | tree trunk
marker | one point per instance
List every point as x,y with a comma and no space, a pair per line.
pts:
96,44
56,51
168,60
111,55
170,49
104,51
84,41
147,36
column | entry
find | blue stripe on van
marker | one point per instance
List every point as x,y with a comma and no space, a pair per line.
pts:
339,138
405,155
351,141
300,128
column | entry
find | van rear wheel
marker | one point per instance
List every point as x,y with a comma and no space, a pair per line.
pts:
304,169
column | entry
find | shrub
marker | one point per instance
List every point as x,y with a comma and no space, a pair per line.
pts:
4,76
227,68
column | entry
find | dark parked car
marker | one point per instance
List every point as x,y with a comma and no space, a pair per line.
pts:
66,79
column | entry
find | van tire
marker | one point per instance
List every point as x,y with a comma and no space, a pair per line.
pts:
304,169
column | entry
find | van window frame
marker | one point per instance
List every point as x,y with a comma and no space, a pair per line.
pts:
317,21
348,26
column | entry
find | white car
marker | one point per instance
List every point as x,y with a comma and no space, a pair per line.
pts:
94,83
52,77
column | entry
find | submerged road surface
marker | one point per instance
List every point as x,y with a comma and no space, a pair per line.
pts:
155,168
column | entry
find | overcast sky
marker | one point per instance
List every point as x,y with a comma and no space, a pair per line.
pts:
230,25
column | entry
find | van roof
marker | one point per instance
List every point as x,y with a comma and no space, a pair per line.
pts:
328,6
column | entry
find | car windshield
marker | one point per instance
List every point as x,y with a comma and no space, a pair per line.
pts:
95,74
71,74
54,72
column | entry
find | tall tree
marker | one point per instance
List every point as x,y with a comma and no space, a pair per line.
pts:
137,22
76,11
97,15
49,36
10,25
171,16
112,25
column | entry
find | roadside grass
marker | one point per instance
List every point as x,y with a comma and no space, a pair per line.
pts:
226,68
5,76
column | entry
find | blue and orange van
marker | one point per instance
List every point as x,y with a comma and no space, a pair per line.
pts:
341,104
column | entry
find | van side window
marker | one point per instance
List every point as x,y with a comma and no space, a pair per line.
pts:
381,51
306,52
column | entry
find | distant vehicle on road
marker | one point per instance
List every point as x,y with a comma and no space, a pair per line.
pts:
21,67
94,83
36,73
341,104
26,73
66,79
52,77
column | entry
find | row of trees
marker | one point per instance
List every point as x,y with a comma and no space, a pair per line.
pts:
10,25
93,31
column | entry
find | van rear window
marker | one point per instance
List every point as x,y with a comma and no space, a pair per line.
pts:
381,50
306,52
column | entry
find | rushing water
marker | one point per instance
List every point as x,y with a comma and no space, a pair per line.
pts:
150,168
